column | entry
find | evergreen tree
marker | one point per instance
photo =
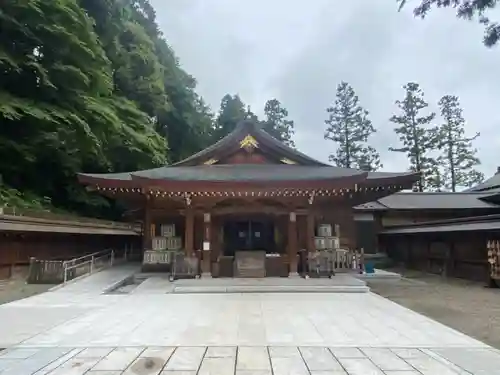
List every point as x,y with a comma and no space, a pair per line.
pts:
419,140
89,86
349,127
277,124
466,9
458,158
250,115
232,111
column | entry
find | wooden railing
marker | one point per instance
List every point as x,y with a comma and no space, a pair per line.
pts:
43,271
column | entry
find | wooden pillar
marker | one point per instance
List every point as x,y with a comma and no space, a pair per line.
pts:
146,225
189,232
207,235
292,243
310,232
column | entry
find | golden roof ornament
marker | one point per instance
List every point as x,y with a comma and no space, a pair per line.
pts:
249,143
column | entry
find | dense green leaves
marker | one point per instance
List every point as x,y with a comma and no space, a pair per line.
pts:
232,110
276,122
349,127
89,86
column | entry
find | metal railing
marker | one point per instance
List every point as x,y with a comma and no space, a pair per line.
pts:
87,264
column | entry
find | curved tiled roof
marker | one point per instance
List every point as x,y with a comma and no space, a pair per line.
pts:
193,168
248,172
237,172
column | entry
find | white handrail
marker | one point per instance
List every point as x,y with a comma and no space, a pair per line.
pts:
90,259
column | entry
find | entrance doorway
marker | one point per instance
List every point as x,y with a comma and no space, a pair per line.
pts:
256,234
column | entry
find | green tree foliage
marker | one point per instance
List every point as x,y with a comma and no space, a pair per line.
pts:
276,122
349,127
416,135
466,9
232,110
458,157
92,86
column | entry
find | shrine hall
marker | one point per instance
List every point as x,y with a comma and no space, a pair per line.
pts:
249,206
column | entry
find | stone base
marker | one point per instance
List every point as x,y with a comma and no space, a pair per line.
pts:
206,275
293,275
339,284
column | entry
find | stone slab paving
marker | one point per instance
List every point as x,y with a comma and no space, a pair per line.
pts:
260,319
83,331
248,360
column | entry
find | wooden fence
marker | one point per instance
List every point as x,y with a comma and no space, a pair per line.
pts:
456,254
174,262
45,271
329,262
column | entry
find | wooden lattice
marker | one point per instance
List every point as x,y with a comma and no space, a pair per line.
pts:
494,259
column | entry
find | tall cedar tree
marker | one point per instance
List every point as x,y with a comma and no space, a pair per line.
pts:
232,110
276,122
348,125
466,9
419,141
458,157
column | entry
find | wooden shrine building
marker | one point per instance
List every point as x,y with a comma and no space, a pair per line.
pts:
249,194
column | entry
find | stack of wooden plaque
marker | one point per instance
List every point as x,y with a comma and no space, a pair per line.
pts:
167,240
325,240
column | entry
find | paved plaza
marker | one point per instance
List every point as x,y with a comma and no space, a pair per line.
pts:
78,330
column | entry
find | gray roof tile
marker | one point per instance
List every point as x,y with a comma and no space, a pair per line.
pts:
246,172
492,185
431,200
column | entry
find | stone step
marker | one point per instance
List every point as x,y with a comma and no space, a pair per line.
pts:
270,289
251,273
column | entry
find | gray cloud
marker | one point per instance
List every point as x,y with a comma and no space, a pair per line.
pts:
298,51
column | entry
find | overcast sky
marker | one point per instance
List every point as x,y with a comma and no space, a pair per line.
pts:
299,50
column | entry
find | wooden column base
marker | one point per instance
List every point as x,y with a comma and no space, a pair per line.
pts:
205,264
293,267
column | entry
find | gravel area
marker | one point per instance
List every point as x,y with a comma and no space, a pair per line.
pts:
466,306
14,289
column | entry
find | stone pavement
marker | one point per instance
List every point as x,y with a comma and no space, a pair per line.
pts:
256,319
78,330
245,360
